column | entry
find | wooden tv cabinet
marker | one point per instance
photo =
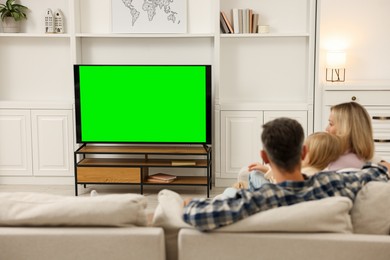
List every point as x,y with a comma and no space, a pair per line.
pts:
129,165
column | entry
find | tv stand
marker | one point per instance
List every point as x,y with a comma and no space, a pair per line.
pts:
129,165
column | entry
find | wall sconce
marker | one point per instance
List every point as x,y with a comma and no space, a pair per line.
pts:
335,66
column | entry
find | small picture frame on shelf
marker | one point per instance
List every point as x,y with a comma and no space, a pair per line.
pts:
129,16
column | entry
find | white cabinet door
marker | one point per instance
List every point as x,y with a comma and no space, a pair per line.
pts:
15,140
300,116
241,137
240,140
52,137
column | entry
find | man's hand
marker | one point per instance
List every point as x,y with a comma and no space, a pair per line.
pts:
387,165
186,201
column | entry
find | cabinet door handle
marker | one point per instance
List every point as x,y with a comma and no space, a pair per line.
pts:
381,117
382,140
353,98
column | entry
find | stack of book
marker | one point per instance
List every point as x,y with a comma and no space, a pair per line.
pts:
243,21
162,178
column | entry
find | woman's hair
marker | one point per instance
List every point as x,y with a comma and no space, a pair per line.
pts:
323,148
353,125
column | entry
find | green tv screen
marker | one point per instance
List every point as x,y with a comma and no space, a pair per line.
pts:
143,103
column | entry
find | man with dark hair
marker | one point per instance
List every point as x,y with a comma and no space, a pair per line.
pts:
283,139
283,150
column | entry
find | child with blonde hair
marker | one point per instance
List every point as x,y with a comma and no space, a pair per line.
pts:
322,149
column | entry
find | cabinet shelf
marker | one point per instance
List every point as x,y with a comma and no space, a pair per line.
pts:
263,35
33,35
144,35
182,180
172,150
121,162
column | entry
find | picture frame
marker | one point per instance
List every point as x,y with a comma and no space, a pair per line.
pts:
149,16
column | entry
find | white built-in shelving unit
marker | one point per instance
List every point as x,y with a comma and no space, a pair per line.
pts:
256,77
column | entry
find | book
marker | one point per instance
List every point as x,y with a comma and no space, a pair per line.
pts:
159,181
255,22
236,25
223,25
162,177
245,24
241,20
183,163
229,24
250,20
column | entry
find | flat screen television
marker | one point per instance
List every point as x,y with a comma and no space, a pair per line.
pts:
159,104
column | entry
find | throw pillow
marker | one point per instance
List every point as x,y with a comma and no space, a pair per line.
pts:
371,210
326,215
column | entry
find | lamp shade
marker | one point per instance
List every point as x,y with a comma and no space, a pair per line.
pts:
335,59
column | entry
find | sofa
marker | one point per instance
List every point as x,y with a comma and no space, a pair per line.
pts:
332,228
42,226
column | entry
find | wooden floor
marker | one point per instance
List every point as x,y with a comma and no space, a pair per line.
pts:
150,192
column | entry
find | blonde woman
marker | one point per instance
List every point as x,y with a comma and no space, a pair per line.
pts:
351,122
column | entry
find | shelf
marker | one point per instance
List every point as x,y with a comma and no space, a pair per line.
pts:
181,180
106,35
178,150
6,104
248,106
263,35
34,35
375,85
123,162
144,35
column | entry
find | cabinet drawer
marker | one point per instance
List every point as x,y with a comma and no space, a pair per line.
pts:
380,119
108,175
364,97
382,140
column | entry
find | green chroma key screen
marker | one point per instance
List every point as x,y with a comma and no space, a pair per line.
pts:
143,103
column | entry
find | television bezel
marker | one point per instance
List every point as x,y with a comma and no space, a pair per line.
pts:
208,130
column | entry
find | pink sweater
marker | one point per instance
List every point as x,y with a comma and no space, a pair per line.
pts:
347,160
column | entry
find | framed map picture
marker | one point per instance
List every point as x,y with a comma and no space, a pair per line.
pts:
149,16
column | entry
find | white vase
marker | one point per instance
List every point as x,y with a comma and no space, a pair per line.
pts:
10,25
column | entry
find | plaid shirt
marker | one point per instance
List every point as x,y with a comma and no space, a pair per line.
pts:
206,214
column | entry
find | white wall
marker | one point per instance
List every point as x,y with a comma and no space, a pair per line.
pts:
363,29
